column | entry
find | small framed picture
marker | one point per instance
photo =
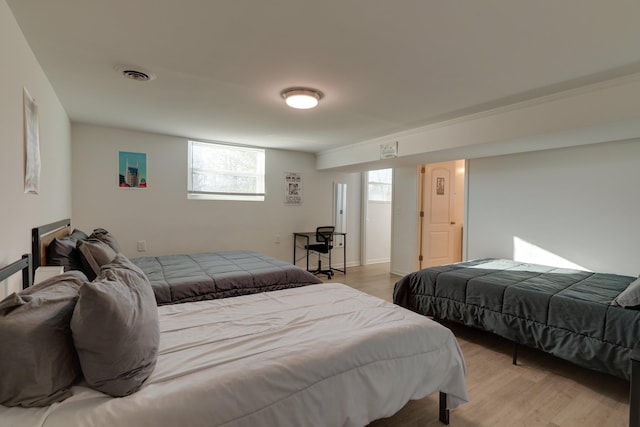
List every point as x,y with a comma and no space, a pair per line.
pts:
292,188
440,186
132,170
31,145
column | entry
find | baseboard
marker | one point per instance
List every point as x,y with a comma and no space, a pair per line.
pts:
378,261
400,273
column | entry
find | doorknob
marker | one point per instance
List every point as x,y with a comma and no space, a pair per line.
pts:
453,223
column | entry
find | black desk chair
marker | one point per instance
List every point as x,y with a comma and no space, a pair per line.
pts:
323,245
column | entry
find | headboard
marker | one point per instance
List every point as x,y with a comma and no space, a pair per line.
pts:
43,235
23,264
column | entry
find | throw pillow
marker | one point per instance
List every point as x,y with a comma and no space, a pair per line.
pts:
106,237
630,297
115,329
94,254
38,362
63,251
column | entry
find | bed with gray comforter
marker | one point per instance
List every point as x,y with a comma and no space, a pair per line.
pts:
202,276
568,313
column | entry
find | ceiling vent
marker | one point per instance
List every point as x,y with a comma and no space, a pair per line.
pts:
135,73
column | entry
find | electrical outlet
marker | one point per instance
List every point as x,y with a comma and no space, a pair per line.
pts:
277,238
142,245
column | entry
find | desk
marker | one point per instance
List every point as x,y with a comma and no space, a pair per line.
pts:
307,235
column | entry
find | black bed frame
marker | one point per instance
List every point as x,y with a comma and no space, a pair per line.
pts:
634,394
36,239
24,265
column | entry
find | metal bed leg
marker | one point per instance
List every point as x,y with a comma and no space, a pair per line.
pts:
634,392
444,412
515,353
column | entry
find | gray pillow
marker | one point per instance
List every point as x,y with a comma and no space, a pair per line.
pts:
115,329
63,251
630,297
94,254
38,363
106,237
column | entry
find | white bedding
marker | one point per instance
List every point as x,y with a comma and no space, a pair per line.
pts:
319,355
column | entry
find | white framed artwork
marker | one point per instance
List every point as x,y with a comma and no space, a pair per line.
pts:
31,145
292,188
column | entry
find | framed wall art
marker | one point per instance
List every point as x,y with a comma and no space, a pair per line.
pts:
292,188
132,170
31,145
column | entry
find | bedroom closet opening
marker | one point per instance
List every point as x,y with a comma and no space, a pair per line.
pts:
441,196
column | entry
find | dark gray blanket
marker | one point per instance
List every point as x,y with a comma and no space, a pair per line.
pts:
561,311
194,277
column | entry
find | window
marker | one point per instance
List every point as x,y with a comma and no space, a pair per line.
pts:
379,185
225,172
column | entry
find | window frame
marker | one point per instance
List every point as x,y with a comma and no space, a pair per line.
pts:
221,195
382,184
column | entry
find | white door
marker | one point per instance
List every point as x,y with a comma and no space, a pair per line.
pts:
440,228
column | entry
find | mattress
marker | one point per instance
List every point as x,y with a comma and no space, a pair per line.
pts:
562,311
320,355
195,277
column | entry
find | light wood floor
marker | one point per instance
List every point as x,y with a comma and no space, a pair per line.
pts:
541,390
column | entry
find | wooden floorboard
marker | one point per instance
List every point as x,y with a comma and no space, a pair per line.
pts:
541,390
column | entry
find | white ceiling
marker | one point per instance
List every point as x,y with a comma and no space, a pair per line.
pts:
383,66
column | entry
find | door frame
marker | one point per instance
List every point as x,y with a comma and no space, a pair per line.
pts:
422,210
363,217
465,212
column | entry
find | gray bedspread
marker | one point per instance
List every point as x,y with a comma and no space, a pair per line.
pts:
561,311
194,277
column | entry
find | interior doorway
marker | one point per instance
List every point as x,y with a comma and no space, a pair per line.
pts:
441,206
376,216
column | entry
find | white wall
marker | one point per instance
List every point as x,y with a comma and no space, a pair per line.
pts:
573,206
404,223
170,223
20,212
378,234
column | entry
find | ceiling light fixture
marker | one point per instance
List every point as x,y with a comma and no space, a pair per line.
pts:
301,98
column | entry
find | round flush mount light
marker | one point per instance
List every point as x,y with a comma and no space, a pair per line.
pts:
301,98
136,74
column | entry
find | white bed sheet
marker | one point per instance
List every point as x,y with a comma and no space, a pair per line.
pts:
320,355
